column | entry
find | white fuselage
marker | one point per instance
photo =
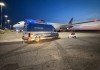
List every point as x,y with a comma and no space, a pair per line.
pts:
21,25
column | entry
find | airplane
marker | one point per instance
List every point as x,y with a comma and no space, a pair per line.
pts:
58,26
61,26
64,27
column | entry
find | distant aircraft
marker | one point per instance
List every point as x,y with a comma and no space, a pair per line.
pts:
70,25
62,26
58,26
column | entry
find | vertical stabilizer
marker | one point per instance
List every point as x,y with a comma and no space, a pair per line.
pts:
71,21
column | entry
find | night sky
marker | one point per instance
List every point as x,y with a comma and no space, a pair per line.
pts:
60,11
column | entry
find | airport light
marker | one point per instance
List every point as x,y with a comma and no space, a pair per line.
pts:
1,4
8,22
6,16
10,27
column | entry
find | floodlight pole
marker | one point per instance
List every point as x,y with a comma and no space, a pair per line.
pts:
1,16
1,4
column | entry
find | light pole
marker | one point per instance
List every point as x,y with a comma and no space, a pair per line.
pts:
1,4
10,27
5,19
8,23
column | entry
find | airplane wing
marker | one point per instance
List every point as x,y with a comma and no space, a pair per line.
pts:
71,25
86,22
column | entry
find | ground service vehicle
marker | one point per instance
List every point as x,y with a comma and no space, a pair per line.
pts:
36,31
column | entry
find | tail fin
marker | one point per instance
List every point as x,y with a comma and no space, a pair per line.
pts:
70,22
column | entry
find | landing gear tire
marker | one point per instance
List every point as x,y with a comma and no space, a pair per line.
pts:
56,37
74,36
37,39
